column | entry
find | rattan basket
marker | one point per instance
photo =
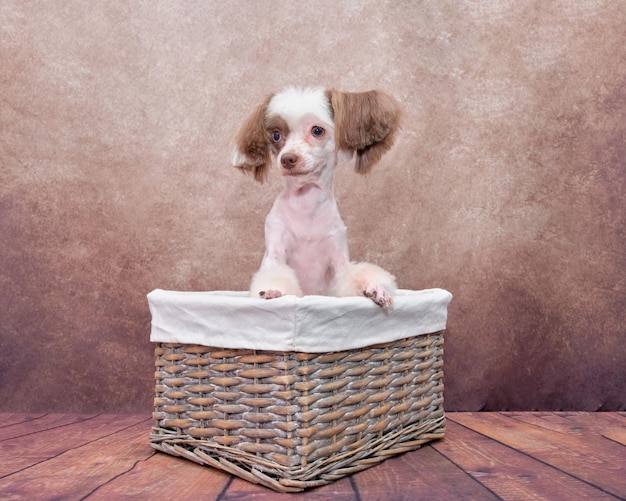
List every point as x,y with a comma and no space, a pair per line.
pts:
291,420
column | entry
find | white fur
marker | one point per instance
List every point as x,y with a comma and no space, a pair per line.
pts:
293,103
372,280
275,281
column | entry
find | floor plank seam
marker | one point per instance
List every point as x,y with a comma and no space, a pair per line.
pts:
564,433
546,428
612,440
28,420
47,429
355,488
115,477
118,430
2,477
220,496
465,472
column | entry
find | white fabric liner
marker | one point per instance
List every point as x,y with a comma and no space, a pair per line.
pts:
310,324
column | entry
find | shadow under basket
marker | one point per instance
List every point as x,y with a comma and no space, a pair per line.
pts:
293,420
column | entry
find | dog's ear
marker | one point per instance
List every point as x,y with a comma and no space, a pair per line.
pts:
365,122
251,153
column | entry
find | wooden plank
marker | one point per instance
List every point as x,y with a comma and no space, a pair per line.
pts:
593,424
241,490
11,418
421,474
511,455
616,434
76,473
611,425
416,475
27,450
603,466
40,423
508,473
162,476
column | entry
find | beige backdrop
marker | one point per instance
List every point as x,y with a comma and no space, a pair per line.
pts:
506,185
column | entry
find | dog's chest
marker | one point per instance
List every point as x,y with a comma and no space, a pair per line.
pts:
316,263
313,244
305,231
316,252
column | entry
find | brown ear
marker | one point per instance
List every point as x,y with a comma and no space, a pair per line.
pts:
365,122
252,147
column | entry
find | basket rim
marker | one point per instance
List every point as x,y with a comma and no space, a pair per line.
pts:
310,324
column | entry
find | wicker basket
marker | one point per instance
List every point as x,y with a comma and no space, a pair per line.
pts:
291,420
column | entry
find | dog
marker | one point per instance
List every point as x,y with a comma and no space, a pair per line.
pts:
307,132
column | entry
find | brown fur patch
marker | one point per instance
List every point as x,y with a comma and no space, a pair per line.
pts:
365,122
253,143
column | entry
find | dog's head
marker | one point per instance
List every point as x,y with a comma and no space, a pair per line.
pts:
306,129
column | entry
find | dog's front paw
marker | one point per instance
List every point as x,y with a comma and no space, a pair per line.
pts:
379,295
270,294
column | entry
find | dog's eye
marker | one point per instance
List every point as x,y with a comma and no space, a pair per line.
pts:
276,136
317,131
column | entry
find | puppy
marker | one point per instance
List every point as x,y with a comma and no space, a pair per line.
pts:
307,132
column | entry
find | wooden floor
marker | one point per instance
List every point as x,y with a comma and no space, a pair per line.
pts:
506,455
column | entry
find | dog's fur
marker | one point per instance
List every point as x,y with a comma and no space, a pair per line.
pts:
308,131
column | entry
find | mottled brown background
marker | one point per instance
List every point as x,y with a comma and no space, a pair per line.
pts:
506,186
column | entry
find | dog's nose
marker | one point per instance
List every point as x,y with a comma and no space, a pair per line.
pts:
289,160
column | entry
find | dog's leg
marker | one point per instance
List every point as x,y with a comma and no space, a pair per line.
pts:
275,281
366,279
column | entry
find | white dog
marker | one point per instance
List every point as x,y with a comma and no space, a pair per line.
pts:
308,132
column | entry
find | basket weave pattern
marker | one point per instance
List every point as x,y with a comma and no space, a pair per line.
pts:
291,420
